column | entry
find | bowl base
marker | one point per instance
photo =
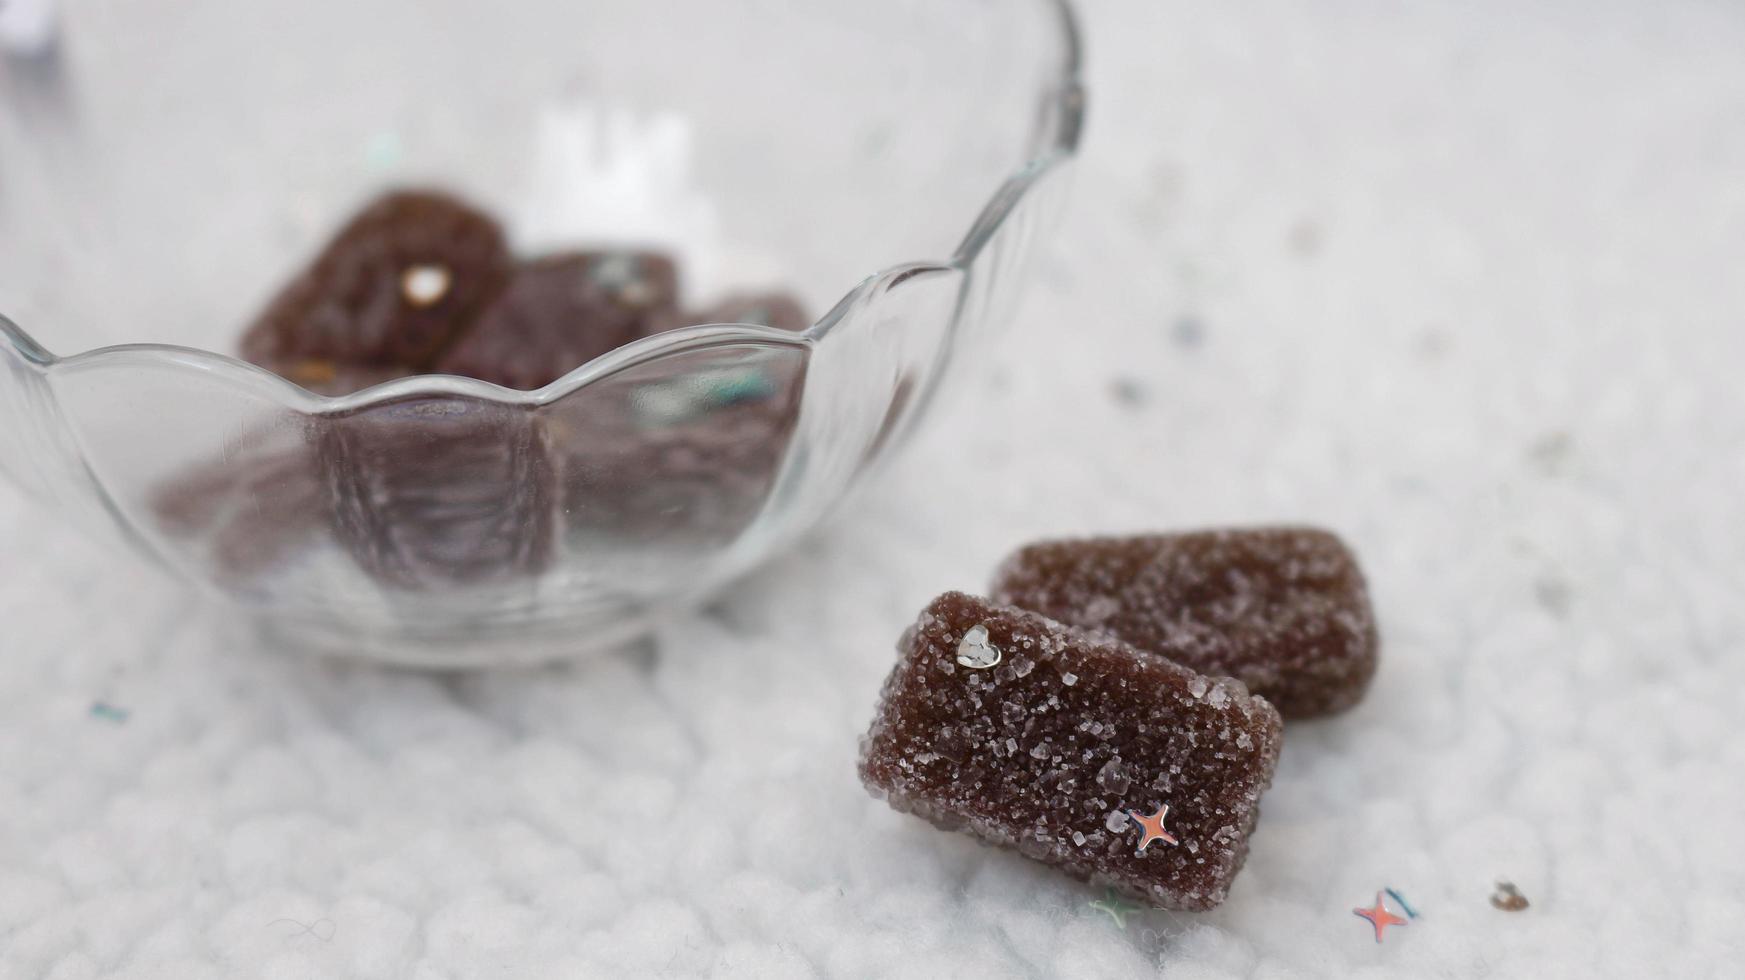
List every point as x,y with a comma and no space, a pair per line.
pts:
451,648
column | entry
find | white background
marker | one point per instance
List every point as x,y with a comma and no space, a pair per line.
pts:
1463,282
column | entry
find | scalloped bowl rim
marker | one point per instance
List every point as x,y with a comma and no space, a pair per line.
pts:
1010,193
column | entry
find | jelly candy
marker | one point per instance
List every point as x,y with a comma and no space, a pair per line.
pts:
1076,749
393,288
1284,610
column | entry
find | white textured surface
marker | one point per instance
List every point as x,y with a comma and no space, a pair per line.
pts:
1464,284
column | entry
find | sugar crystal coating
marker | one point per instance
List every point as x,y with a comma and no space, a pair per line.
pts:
394,287
1020,757
1284,610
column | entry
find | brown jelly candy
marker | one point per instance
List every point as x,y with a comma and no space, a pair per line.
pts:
252,513
394,287
330,378
1284,610
430,492
560,312
681,447
777,310
1068,745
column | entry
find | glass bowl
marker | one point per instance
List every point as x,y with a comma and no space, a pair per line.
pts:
165,165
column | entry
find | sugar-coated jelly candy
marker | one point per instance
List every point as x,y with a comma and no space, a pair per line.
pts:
329,378
1284,610
777,310
250,512
685,448
1073,747
560,312
436,491
394,287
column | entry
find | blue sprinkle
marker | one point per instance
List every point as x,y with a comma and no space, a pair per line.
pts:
749,387
108,712
1396,897
1115,908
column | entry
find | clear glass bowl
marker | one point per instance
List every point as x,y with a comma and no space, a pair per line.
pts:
165,165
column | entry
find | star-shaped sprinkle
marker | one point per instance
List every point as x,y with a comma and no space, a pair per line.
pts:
1115,907
1153,827
1380,917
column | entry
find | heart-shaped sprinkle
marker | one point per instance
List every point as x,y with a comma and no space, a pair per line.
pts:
974,650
